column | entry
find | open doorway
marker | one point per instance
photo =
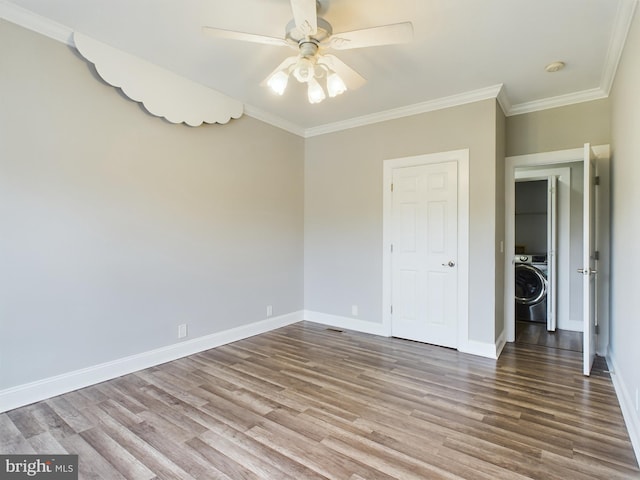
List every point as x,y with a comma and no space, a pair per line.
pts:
567,167
548,244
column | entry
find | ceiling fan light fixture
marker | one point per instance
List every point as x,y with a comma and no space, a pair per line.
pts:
312,36
335,85
304,70
278,82
315,93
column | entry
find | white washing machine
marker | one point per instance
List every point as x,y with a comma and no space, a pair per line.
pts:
531,287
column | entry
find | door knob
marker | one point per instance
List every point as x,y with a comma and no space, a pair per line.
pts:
450,263
587,271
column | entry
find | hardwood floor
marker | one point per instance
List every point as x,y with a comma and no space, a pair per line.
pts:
307,402
536,334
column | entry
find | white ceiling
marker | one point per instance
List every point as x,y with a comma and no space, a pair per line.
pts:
463,50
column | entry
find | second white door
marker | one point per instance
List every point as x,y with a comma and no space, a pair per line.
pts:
424,253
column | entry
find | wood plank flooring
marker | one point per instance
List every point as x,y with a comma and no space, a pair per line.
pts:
536,334
307,402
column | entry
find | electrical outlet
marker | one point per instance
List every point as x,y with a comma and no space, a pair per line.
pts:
269,311
182,330
354,310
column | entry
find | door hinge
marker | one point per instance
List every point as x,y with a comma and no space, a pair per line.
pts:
596,255
392,248
596,181
392,187
391,309
597,329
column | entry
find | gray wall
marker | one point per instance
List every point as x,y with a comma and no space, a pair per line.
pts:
118,226
501,146
531,215
625,173
343,209
559,128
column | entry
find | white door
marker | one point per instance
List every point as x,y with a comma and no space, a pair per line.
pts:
424,240
588,269
552,249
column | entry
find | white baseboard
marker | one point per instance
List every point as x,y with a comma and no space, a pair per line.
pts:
481,349
21,395
500,343
346,323
488,350
627,405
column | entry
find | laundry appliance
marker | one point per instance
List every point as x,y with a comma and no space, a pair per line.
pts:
531,287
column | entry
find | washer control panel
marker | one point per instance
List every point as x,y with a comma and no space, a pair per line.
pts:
533,258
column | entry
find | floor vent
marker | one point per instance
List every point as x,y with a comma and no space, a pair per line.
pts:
335,330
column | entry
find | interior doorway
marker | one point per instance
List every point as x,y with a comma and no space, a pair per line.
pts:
536,250
567,166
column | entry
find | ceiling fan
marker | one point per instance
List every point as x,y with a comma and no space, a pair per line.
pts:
312,36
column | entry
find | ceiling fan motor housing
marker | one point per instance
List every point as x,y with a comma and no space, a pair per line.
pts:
293,35
308,48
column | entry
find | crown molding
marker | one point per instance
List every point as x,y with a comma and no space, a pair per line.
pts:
395,113
274,120
621,27
37,23
558,101
503,101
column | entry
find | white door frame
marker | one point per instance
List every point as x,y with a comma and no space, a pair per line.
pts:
462,159
511,163
552,252
589,261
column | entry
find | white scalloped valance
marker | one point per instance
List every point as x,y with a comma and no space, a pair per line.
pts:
163,93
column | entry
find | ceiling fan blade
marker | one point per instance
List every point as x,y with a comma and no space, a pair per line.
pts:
288,62
370,37
350,77
305,16
244,37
